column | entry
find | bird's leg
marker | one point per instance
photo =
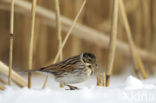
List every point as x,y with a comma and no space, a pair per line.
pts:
72,87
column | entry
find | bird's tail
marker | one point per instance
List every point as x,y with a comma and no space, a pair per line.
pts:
43,69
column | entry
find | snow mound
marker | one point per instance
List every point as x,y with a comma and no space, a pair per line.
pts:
134,83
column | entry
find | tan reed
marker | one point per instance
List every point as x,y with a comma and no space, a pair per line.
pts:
104,79
136,58
112,43
58,26
19,80
101,79
30,62
66,38
11,42
98,79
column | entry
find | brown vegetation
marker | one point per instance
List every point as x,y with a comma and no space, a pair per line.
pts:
135,32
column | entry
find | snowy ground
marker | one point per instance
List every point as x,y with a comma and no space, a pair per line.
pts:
125,89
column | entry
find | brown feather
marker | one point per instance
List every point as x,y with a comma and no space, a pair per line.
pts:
63,65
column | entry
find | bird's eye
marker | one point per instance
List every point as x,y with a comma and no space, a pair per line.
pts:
89,66
89,60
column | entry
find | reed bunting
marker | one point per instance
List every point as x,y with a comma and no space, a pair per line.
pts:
75,69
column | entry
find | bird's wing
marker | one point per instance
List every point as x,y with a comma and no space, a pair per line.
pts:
67,65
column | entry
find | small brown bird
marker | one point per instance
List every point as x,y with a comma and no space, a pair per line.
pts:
75,69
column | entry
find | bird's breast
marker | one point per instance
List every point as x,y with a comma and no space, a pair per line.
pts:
76,76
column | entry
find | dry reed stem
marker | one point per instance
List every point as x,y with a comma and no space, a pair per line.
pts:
113,37
58,26
99,38
98,79
66,38
11,41
31,41
2,81
69,32
104,79
61,85
131,43
29,79
20,81
101,79
136,58
59,37
45,82
140,63
2,87
107,80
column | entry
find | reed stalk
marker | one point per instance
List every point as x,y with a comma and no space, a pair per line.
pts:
58,26
104,79
70,30
11,42
31,41
136,58
112,44
98,77
59,37
19,80
101,79
65,39
131,43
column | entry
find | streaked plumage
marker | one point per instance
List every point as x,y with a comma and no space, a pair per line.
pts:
75,69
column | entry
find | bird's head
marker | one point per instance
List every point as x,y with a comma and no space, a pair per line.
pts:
89,60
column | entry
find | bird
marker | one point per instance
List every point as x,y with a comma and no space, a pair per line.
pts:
75,69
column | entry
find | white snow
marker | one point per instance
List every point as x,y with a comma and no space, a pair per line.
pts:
134,83
130,91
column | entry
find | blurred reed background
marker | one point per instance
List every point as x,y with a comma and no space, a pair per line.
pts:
96,14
